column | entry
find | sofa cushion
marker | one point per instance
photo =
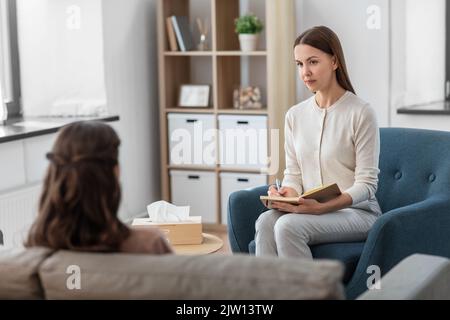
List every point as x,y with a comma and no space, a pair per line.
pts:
417,277
19,272
132,276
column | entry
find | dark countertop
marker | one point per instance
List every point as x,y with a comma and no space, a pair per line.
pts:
440,107
27,127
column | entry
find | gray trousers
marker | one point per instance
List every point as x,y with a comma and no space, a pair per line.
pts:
289,234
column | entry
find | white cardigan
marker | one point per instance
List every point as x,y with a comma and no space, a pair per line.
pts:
336,144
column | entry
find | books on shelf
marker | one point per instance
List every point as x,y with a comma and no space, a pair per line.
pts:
321,194
182,31
171,35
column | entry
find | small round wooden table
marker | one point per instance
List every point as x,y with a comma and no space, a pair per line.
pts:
210,244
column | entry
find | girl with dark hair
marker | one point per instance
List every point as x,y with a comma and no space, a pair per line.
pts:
81,196
331,137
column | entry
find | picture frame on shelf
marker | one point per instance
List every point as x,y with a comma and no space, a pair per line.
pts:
194,96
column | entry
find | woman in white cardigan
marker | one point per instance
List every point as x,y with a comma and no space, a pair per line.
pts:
331,137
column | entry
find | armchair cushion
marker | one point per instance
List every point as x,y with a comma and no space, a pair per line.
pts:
252,247
346,252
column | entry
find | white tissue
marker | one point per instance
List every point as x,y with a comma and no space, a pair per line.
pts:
162,211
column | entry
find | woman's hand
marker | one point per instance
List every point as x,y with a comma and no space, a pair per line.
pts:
306,206
284,192
311,206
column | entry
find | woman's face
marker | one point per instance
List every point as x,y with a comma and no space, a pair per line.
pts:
316,68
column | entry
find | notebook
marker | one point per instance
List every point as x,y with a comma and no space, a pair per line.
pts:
321,194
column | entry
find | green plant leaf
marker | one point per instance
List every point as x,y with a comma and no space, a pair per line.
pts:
249,24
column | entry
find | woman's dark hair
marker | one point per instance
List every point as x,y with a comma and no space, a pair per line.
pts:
326,40
81,192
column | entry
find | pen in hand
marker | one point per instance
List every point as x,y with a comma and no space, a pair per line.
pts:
278,186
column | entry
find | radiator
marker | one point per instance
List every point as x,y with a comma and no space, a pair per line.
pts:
18,209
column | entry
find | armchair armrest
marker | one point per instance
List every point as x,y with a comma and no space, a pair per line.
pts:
417,228
244,208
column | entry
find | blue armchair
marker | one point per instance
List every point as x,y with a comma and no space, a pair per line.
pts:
414,195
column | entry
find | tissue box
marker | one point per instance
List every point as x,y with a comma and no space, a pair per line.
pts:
182,232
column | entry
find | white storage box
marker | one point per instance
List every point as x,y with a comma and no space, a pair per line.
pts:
196,189
192,139
231,182
243,141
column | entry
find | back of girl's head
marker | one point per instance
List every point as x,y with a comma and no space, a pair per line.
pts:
326,40
81,192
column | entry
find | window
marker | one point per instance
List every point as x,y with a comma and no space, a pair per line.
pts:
5,53
9,70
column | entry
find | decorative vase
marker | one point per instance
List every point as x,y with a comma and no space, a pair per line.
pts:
248,42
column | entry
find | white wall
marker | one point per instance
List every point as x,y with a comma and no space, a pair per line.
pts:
366,51
131,85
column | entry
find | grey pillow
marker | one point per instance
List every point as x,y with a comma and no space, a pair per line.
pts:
19,272
134,276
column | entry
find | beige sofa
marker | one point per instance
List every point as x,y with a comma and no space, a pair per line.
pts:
39,273
417,277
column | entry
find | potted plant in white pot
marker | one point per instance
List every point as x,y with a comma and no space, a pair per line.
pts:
248,27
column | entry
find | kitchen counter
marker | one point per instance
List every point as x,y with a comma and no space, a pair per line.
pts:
26,127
